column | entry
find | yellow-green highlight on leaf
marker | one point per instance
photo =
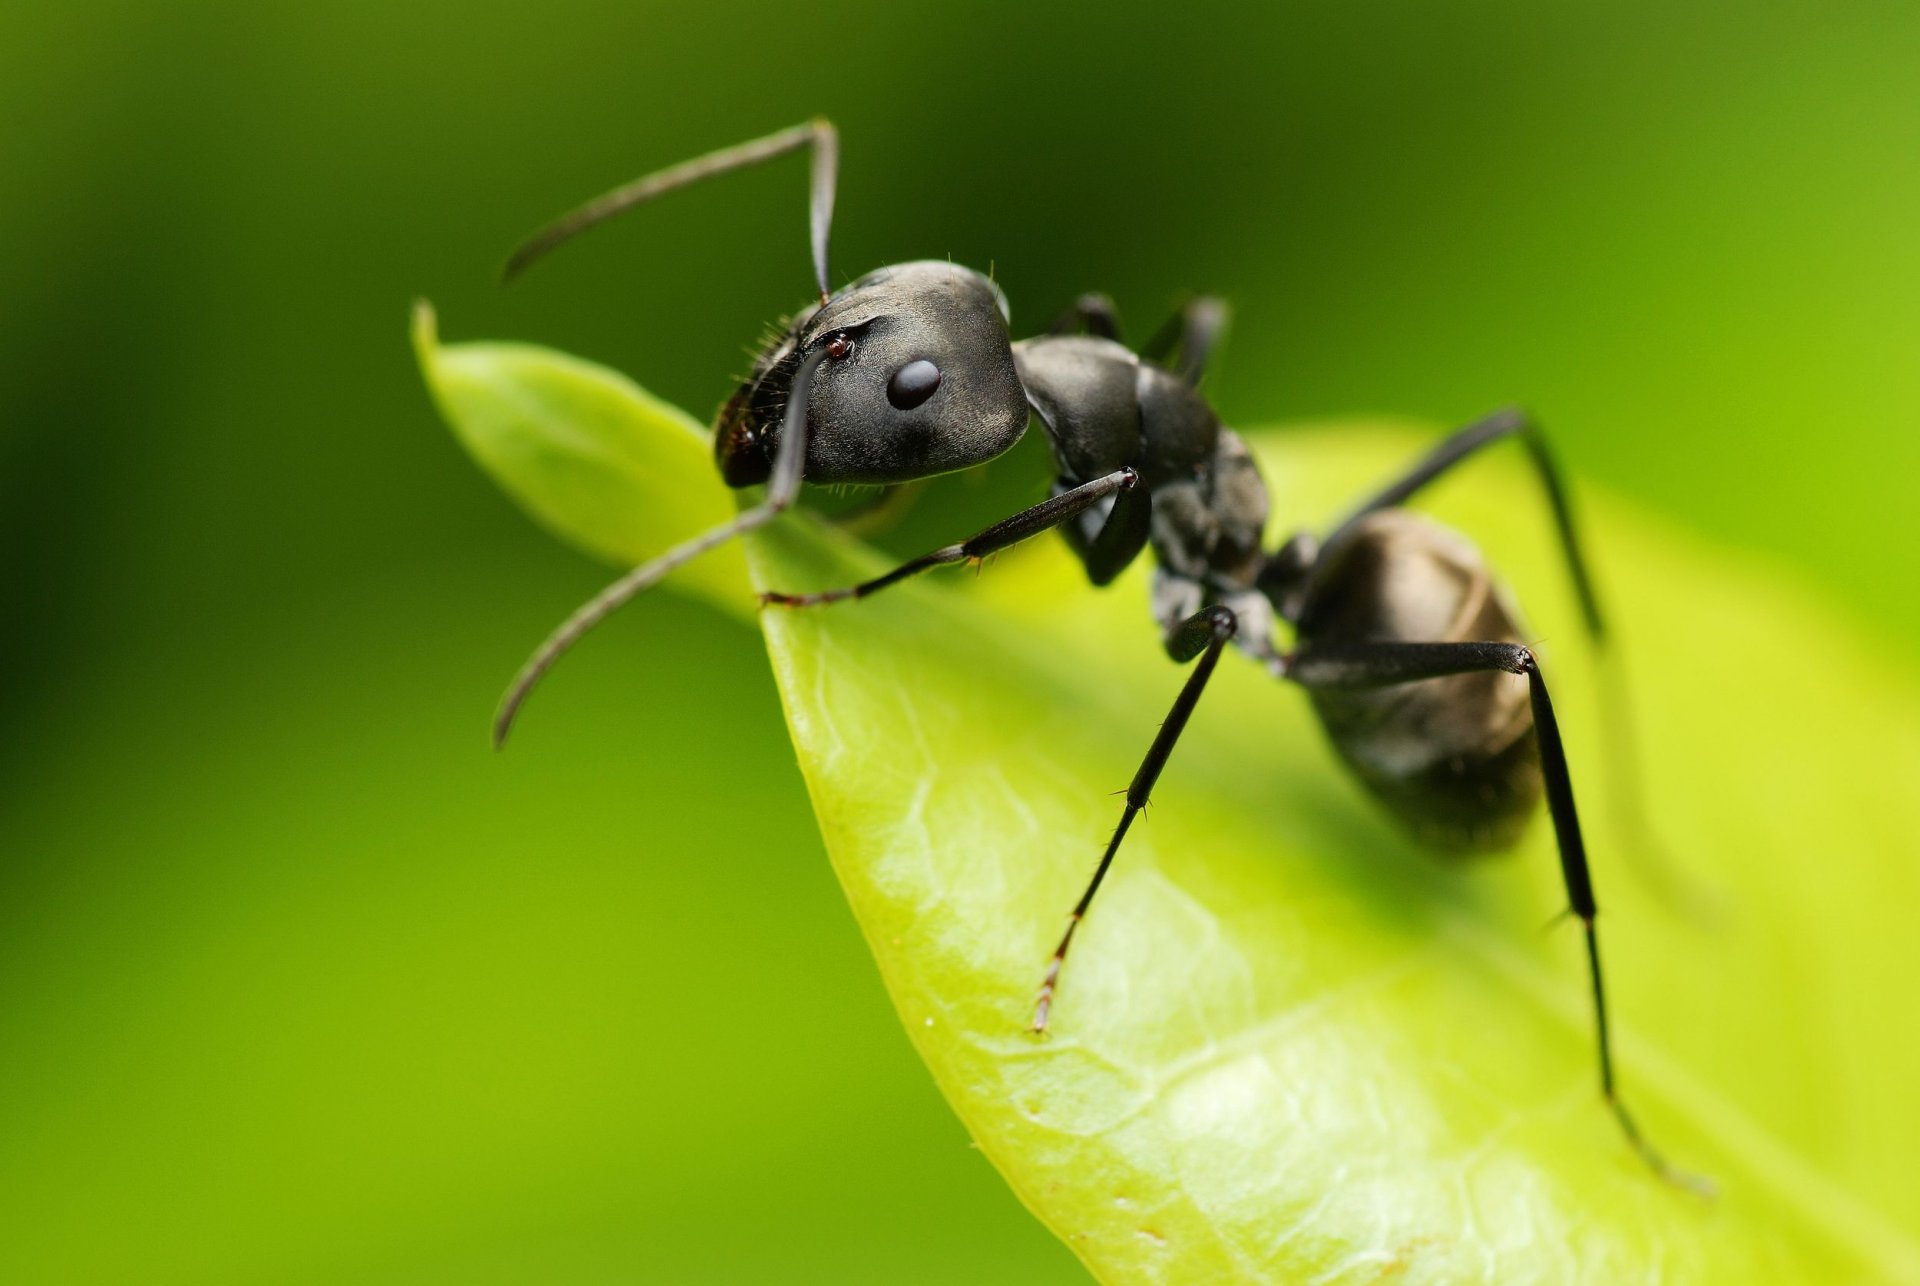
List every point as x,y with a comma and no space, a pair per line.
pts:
1292,1046
596,459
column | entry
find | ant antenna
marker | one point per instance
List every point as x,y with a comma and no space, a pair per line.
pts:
817,133
784,486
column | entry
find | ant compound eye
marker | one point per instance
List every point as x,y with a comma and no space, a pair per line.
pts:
838,347
913,384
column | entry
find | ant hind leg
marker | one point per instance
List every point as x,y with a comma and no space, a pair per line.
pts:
1374,665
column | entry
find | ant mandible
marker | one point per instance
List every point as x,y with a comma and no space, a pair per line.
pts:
1403,639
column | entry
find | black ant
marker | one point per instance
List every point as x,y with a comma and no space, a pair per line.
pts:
1403,638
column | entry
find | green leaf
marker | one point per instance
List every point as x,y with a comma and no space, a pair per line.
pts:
596,459
1290,1045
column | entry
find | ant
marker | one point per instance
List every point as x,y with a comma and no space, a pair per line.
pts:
1403,638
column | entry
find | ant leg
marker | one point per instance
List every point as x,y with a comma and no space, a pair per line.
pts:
1204,635
1093,313
1373,665
1192,332
784,485
818,134
1647,856
1050,512
1503,424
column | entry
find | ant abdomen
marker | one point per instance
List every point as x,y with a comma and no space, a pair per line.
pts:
1453,758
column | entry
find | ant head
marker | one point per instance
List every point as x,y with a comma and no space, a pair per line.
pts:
916,379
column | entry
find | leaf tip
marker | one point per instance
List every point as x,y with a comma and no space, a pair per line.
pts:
425,329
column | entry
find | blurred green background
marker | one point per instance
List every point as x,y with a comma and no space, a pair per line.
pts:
298,983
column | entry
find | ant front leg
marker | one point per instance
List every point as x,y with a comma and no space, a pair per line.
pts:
1049,513
1205,635
1375,665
